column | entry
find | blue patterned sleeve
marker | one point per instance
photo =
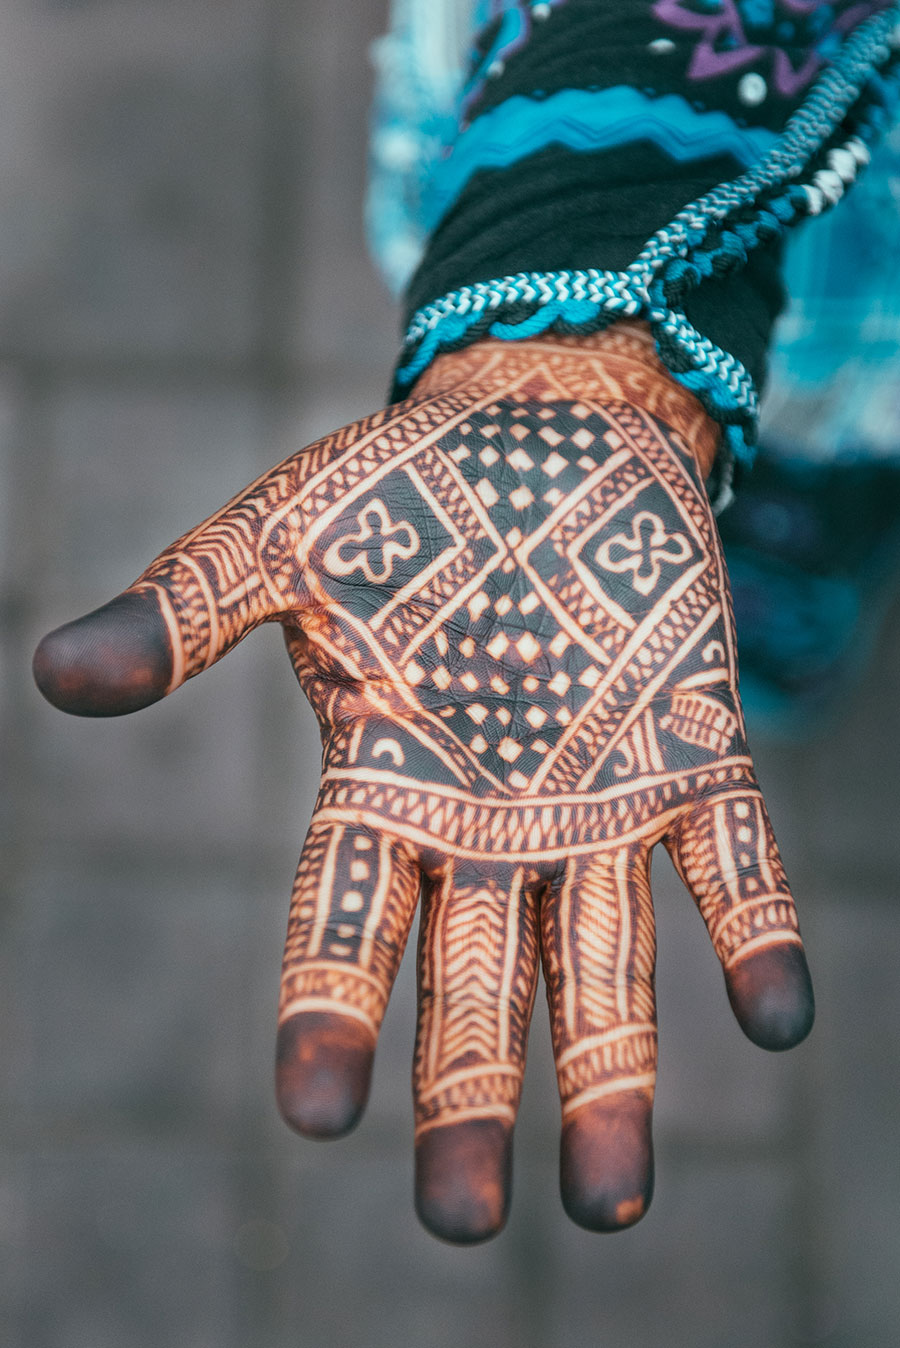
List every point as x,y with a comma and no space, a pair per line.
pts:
645,158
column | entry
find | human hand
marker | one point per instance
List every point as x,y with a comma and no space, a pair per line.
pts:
506,601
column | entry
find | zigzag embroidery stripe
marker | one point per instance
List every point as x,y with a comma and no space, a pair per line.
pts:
799,176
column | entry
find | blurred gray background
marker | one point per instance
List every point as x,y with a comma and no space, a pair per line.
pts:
185,297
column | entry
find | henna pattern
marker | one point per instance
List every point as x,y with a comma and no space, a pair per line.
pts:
506,602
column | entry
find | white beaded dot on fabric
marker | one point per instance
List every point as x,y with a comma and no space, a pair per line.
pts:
830,183
843,163
858,148
719,228
752,89
661,46
815,199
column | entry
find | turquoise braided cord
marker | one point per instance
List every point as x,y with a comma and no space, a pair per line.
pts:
829,101
674,260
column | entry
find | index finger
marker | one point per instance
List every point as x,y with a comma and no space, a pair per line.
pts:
196,601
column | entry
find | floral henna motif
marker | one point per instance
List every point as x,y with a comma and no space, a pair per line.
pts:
643,552
506,602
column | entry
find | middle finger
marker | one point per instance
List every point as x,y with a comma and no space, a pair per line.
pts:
478,954
598,947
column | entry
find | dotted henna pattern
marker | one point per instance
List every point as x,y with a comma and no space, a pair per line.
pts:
506,602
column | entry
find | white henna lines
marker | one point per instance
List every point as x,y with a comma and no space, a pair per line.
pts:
375,546
508,611
643,551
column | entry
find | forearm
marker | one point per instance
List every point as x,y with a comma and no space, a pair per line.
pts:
613,160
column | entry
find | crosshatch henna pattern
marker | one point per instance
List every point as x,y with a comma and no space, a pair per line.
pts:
506,602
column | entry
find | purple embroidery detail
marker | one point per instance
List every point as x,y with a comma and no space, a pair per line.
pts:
724,46
514,33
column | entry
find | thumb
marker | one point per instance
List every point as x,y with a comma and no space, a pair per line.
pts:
115,660
192,605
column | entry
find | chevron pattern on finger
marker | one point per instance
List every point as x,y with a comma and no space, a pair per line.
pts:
477,980
473,939
590,907
215,582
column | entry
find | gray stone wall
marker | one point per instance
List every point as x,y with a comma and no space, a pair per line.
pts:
184,296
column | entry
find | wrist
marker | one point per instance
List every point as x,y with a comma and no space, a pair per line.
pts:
617,364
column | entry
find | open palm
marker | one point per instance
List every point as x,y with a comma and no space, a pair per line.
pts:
506,602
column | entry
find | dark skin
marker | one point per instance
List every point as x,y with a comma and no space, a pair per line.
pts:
506,602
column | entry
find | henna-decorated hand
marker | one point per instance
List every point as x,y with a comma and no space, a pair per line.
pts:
506,601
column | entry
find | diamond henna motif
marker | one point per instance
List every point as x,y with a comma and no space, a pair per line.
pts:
553,465
510,720
528,648
545,621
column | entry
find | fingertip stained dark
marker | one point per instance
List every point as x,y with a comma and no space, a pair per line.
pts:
606,1162
463,1179
112,661
771,994
323,1072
